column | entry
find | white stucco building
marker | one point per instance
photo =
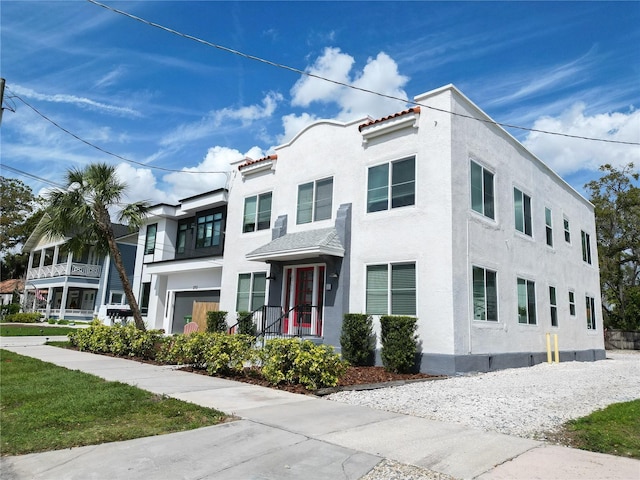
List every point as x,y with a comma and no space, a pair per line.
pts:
424,213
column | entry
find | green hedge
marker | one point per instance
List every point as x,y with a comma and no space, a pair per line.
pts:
357,339
123,341
217,322
23,318
246,325
399,343
290,360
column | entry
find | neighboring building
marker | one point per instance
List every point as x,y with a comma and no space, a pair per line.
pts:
62,285
10,289
423,213
179,260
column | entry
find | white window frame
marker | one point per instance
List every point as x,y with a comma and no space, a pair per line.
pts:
252,285
314,202
567,230
586,246
526,212
590,311
149,247
259,199
390,185
548,223
485,294
486,198
389,290
530,317
553,305
123,299
572,303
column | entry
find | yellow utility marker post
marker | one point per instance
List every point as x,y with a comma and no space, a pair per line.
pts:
548,348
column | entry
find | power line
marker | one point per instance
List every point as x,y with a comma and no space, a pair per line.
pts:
31,175
107,152
336,82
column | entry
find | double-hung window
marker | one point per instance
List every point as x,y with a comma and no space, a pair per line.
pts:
548,226
391,289
391,185
522,208
482,190
314,201
150,241
145,293
252,288
526,301
181,243
485,295
572,303
257,213
209,230
586,247
567,232
553,305
591,312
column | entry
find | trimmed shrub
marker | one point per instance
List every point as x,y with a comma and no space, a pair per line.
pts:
357,339
51,321
301,361
217,322
246,325
10,309
23,317
399,343
228,354
125,341
186,349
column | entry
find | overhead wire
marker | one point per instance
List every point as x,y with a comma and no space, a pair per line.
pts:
347,85
30,175
107,152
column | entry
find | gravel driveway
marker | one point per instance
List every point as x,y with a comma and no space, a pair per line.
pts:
525,402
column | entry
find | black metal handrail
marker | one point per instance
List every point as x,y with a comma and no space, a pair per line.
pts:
269,321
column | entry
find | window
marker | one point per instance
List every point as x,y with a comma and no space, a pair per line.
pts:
144,297
395,294
181,242
549,227
401,176
526,301
591,312
150,241
116,298
257,213
314,201
209,230
586,247
485,295
252,288
553,305
567,233
522,206
37,255
572,303
481,190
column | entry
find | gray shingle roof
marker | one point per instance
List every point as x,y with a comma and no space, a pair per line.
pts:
321,241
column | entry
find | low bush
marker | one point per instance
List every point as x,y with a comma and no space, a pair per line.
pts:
125,341
10,309
399,343
228,354
357,339
246,325
301,361
23,318
51,321
217,322
183,349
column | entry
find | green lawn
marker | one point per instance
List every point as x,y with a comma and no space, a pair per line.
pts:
46,407
38,330
614,430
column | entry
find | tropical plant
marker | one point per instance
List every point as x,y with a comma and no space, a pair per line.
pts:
80,213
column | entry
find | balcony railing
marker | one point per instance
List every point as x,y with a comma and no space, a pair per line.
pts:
62,269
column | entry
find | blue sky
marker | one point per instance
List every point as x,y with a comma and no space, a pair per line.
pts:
168,102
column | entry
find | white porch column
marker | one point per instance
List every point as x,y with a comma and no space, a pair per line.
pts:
49,300
63,303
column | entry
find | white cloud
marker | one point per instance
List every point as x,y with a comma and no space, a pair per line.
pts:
111,77
142,185
293,123
380,74
208,125
74,100
217,159
568,155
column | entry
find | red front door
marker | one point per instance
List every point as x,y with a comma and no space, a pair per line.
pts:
303,298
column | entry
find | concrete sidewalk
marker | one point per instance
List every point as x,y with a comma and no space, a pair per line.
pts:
283,435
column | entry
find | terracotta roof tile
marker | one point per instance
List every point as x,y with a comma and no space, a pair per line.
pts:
12,285
389,117
249,161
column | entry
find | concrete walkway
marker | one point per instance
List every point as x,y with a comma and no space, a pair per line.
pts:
281,435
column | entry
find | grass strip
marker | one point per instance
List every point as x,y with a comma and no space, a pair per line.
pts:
33,331
614,430
46,407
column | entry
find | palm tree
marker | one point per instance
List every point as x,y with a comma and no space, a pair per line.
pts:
80,212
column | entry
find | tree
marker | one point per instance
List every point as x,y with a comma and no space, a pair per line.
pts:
80,212
20,212
616,198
